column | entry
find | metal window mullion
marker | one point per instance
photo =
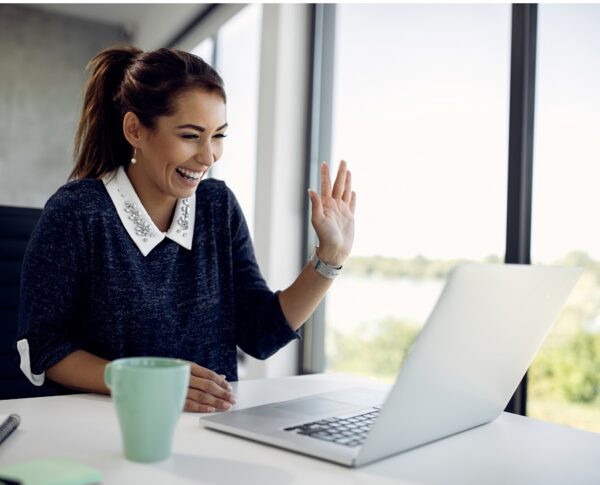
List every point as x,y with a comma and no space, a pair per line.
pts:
312,354
520,152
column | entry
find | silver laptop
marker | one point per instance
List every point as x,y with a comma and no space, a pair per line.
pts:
460,372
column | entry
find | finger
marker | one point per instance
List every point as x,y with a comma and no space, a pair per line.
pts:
226,384
353,202
204,373
346,196
217,391
211,388
203,397
340,181
316,205
192,406
325,180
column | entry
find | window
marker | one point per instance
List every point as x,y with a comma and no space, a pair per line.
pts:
564,380
421,116
238,62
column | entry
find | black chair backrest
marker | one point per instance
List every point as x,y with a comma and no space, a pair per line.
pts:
16,226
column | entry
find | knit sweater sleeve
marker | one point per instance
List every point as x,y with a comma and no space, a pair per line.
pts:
261,326
52,283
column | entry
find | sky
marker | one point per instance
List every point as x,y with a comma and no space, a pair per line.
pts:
421,115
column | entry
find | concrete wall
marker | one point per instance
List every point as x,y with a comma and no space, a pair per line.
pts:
160,22
41,87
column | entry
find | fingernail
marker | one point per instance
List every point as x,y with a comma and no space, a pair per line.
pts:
227,405
211,410
229,386
233,400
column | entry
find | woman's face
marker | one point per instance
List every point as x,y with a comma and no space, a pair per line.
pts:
173,156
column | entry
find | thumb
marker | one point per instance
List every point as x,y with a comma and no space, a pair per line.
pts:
316,206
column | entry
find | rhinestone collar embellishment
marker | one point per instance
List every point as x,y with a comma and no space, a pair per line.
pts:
184,219
142,226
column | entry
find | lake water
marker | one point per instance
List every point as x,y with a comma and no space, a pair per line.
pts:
354,300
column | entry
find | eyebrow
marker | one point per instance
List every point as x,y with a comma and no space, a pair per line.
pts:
201,128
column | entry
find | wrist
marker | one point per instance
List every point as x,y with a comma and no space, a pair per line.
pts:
330,258
324,268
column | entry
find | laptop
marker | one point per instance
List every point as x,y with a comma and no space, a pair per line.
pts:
460,372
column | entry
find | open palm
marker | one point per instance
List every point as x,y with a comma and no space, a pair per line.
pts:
333,215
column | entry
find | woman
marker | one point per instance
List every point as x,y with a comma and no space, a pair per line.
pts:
136,256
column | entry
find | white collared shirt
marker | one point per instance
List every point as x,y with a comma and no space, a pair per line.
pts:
138,223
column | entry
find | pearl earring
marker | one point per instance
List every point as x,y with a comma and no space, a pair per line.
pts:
133,160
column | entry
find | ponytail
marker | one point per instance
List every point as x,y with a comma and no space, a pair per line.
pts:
127,79
100,145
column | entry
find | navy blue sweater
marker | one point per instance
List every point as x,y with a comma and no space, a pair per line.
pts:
85,285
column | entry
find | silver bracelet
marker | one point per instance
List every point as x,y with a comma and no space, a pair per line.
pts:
323,268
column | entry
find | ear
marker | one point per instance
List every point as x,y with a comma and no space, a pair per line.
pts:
132,129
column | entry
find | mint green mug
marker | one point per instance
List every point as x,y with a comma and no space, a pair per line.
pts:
149,395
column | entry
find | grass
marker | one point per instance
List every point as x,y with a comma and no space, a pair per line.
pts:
576,415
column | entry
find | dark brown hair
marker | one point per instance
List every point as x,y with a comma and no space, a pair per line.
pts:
127,79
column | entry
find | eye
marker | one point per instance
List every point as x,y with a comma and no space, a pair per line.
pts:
189,136
220,135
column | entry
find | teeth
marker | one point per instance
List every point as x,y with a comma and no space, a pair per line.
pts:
189,173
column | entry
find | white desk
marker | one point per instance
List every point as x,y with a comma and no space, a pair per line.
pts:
510,450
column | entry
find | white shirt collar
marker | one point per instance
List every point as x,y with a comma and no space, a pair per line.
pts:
138,223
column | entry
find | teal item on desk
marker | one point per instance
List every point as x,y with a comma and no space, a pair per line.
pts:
49,471
149,394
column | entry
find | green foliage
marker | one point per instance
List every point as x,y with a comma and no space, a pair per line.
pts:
417,268
570,371
376,349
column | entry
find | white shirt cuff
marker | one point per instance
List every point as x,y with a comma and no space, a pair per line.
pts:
23,348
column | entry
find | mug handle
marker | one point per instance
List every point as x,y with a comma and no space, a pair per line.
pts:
108,376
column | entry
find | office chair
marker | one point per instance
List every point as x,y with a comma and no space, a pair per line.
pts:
16,226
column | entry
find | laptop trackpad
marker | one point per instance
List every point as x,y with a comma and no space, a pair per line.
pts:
316,406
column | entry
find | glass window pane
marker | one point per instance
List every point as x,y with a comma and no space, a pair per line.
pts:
564,380
238,62
421,116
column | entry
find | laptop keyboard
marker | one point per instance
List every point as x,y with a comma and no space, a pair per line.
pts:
348,431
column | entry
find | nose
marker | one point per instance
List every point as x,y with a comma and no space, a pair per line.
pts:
205,155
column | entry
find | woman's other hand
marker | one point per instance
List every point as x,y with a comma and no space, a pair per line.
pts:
208,392
333,215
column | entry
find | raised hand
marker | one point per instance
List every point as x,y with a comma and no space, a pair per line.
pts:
333,215
208,391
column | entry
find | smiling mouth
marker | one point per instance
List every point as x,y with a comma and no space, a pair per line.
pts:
188,174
